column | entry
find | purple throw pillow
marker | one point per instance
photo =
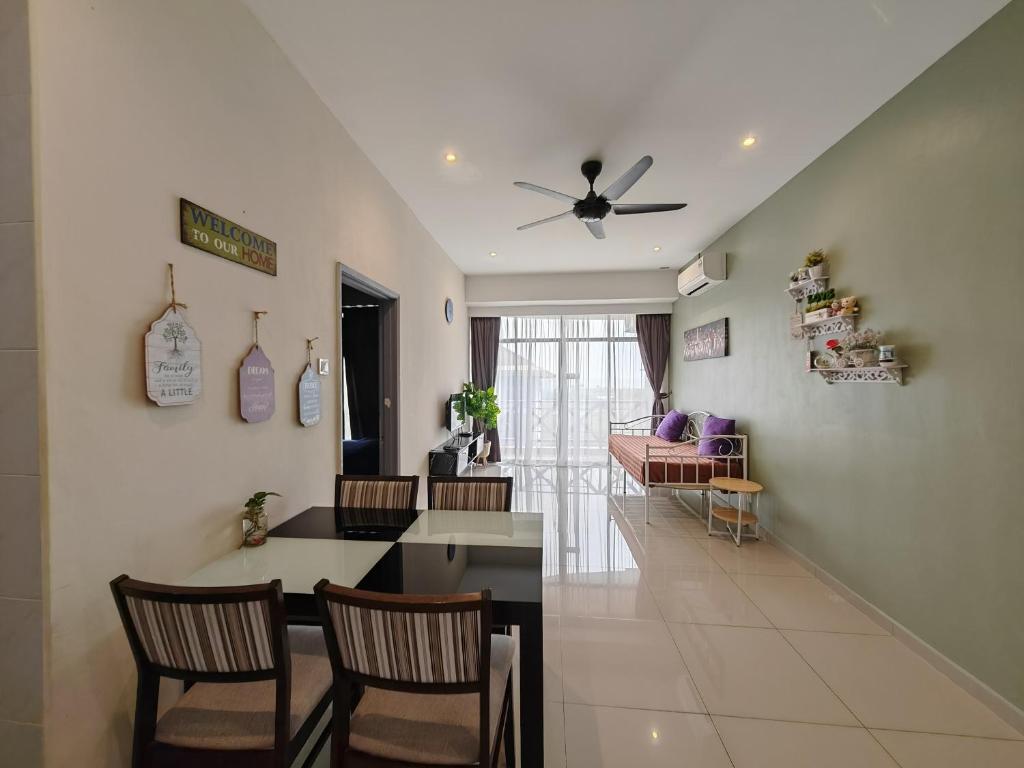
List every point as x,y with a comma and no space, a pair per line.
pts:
715,426
672,426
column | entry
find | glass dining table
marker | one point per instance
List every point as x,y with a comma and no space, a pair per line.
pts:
411,552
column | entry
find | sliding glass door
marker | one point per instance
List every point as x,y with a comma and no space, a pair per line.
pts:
561,380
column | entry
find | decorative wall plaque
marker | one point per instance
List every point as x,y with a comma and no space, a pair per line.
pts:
173,370
309,397
256,386
309,390
205,230
708,340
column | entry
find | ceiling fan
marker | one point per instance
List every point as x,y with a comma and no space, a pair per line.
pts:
592,209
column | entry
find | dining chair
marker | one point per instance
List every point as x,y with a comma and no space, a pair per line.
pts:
397,492
437,686
489,494
256,688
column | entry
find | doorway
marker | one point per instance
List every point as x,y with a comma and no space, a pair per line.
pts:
368,375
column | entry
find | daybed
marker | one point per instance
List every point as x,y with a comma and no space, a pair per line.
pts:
654,462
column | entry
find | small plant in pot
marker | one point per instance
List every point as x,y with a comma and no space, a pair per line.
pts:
817,264
254,519
482,406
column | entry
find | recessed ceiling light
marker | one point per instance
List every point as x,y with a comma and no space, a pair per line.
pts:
657,249
450,157
749,141
493,254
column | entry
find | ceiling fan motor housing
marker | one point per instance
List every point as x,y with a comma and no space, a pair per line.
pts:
591,208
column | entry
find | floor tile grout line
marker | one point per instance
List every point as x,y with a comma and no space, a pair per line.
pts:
682,659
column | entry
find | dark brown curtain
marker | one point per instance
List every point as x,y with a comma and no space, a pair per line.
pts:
652,333
484,334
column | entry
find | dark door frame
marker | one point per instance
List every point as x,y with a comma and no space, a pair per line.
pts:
390,434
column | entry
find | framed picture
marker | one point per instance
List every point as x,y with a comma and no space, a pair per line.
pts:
706,341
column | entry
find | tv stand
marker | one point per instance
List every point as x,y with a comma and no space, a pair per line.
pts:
454,456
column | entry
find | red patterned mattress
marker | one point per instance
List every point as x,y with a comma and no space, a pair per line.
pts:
683,466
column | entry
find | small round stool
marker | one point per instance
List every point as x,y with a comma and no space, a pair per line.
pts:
742,514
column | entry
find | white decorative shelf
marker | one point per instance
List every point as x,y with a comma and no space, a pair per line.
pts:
877,374
829,325
803,289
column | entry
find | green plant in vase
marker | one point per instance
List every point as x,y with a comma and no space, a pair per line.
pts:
254,519
481,405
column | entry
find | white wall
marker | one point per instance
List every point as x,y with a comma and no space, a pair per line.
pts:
136,103
650,291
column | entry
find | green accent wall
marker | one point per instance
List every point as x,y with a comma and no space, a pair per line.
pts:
911,496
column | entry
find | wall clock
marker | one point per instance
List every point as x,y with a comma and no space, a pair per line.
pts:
449,310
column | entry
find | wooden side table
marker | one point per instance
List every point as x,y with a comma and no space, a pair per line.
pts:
740,515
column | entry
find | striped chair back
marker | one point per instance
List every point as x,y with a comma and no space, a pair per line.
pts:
436,642
487,494
376,491
231,631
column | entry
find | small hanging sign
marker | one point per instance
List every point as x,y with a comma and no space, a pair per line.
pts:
173,351
309,391
256,382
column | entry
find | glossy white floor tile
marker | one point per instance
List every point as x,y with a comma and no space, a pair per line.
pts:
650,627
618,663
888,686
608,737
622,595
755,559
775,744
798,603
927,750
554,735
751,672
705,597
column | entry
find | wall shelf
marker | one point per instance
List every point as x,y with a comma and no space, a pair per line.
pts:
803,289
829,325
876,374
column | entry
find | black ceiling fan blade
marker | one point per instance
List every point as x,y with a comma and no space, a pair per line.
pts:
544,221
596,228
625,208
620,186
549,192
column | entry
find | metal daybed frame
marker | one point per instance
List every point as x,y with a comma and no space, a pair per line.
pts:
735,451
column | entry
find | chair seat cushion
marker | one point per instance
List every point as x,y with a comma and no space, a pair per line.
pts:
229,716
427,728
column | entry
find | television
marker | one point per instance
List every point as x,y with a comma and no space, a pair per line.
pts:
452,422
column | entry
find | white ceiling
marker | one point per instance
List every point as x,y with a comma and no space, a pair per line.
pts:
528,89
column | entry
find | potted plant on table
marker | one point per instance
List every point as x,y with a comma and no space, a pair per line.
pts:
254,519
481,405
817,264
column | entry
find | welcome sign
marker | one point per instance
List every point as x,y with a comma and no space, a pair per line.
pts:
214,234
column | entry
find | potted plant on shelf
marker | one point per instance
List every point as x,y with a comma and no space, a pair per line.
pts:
254,519
481,405
817,264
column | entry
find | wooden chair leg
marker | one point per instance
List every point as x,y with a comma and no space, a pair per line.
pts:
510,727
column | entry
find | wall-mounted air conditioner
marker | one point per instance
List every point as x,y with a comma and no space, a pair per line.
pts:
702,275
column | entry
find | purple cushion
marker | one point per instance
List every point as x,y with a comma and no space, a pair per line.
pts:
672,426
716,426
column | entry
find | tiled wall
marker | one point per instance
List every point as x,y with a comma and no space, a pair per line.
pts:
21,640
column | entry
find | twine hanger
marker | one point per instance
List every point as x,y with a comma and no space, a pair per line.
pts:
309,350
256,323
174,299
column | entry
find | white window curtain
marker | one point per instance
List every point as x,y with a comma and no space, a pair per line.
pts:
560,380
